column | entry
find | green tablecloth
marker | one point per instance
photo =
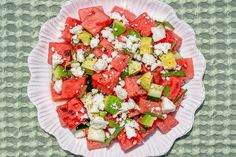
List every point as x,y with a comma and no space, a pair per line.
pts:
214,130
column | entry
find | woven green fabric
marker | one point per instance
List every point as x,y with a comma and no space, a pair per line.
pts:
214,130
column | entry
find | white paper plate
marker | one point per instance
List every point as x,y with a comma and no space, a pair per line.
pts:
39,91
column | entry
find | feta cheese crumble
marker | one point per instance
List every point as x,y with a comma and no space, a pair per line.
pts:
120,92
76,70
56,59
114,54
126,106
130,128
97,103
58,86
161,48
80,55
132,43
98,123
76,29
100,65
148,59
167,105
117,16
155,65
158,33
94,41
107,33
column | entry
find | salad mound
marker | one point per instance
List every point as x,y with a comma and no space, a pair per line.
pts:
121,76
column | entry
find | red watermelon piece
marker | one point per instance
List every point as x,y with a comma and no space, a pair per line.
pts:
55,95
187,66
149,106
86,12
120,62
143,23
69,24
62,49
95,22
73,86
157,79
175,84
132,87
127,14
165,125
106,48
106,81
126,143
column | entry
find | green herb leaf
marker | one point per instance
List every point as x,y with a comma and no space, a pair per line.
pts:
81,126
180,96
167,24
112,124
166,90
144,129
174,73
154,115
83,91
114,135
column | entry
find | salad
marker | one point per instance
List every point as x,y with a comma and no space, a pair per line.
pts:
121,76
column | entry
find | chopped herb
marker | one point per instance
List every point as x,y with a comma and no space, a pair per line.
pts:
90,84
114,135
124,74
165,24
144,130
112,124
81,126
69,63
154,115
180,96
174,73
153,98
166,90
83,91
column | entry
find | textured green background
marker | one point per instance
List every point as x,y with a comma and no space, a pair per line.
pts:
214,131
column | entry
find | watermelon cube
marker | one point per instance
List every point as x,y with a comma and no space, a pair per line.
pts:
106,48
149,106
127,14
86,12
143,23
120,62
73,87
63,49
106,81
133,88
95,22
69,24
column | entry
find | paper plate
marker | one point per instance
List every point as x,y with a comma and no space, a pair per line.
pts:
39,91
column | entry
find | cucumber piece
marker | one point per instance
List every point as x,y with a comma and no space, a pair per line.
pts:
147,120
168,60
134,67
85,37
112,104
88,64
134,32
146,80
59,72
118,28
96,135
146,45
155,92
112,124
102,114
114,135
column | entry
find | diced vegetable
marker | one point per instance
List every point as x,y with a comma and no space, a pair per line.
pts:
147,120
118,28
112,104
146,80
146,45
134,67
96,135
155,92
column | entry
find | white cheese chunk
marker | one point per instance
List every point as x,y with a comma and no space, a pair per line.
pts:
58,86
161,48
80,55
76,70
56,59
130,129
117,16
148,59
120,92
107,33
100,65
167,105
98,123
76,29
94,41
158,33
